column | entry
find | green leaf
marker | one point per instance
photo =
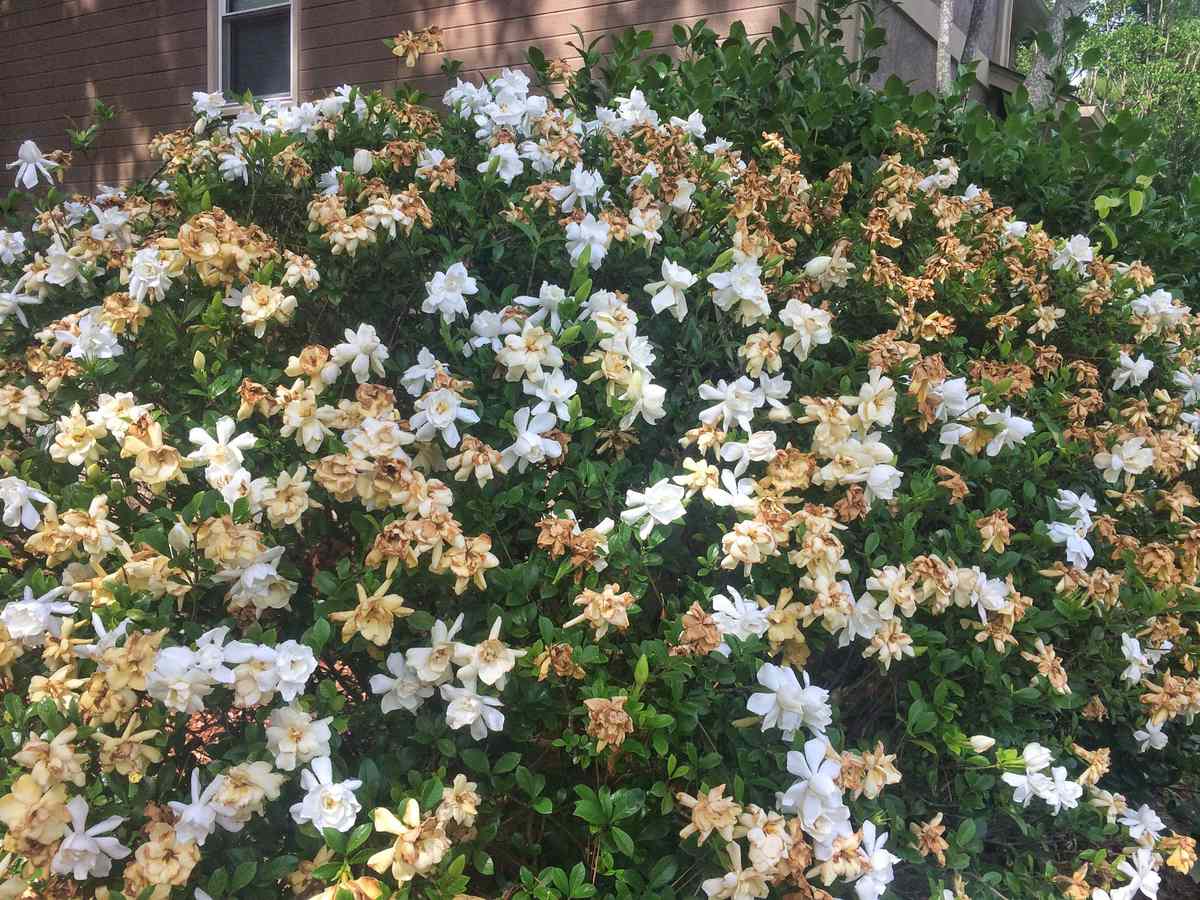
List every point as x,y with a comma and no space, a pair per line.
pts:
359,836
476,760
243,875
623,841
1136,201
506,763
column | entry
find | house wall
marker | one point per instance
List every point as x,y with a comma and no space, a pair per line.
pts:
340,39
146,56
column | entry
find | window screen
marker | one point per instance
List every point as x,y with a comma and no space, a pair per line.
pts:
257,47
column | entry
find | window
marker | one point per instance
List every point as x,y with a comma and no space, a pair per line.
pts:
252,47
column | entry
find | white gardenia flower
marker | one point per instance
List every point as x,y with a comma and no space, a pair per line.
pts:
488,329
1059,791
1131,372
149,276
328,182
466,708
295,737
668,293
1143,878
31,163
195,821
788,704
592,234
432,664
208,106
402,688
811,327
1131,456
11,303
660,504
1076,253
739,617
234,167
545,306
327,803
817,792
18,498
1025,787
1190,384
879,862
439,412
31,618
1009,430
85,852
294,665
363,351
95,340
1143,823
528,354
12,245
1139,663
1079,548
504,161
736,403
211,654
693,125
1152,737
740,290
447,291
222,453
759,447
1079,506
489,661
583,188
530,445
177,682
553,393
1036,757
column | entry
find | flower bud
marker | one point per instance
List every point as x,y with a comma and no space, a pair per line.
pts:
198,361
179,537
981,743
363,162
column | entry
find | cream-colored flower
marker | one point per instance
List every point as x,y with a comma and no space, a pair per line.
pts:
374,615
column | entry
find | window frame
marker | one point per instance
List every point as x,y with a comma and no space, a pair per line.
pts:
218,65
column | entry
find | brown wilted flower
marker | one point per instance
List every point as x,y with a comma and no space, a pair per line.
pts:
995,531
710,812
603,609
953,483
930,838
1180,851
700,635
1095,710
608,722
1049,666
559,658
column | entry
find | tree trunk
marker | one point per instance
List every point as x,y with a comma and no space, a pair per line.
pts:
1037,82
945,65
981,11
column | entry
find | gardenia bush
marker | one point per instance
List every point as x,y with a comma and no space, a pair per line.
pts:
558,501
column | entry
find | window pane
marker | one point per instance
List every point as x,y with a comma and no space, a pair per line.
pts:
260,54
243,5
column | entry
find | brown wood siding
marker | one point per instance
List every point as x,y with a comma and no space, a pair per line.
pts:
340,40
143,56
147,56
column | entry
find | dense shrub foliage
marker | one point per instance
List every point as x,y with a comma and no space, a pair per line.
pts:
565,497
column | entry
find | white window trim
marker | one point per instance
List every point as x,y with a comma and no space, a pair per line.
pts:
216,65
